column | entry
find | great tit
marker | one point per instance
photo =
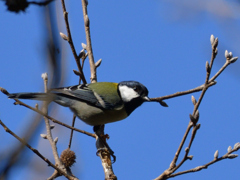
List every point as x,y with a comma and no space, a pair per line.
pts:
96,103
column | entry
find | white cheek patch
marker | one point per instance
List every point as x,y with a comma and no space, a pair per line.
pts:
127,93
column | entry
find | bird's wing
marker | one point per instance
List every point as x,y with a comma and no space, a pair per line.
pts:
111,98
82,93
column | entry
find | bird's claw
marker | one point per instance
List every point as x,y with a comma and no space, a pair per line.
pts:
108,151
105,137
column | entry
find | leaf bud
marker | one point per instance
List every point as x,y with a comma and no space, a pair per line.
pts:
232,156
84,46
216,154
98,63
55,140
44,136
237,145
234,59
194,101
63,36
229,148
212,39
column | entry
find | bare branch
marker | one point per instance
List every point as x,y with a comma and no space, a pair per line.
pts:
48,128
197,89
71,135
173,163
36,152
18,102
70,41
228,155
89,43
195,115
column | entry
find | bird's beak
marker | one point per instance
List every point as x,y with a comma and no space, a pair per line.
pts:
145,98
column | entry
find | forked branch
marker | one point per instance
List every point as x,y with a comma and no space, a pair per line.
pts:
18,102
194,117
68,38
37,152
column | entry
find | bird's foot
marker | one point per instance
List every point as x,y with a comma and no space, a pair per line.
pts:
105,149
105,137
101,143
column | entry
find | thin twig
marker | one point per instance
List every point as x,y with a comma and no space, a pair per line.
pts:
56,121
70,41
205,166
196,106
220,71
208,83
194,116
197,89
187,150
173,163
89,43
208,72
36,151
74,116
18,102
71,134
48,128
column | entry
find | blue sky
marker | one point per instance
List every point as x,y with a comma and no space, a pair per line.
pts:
164,45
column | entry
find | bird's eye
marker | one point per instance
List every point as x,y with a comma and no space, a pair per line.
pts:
136,88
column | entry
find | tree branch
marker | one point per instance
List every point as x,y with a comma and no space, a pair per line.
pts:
48,136
194,117
89,43
197,89
18,102
70,41
36,152
228,155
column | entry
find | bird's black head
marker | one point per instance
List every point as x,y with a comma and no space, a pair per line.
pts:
133,94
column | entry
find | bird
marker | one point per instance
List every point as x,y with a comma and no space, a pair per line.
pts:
95,103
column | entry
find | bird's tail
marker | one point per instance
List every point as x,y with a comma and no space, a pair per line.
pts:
35,96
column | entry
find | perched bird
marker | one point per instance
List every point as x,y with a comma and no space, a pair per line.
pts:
96,103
